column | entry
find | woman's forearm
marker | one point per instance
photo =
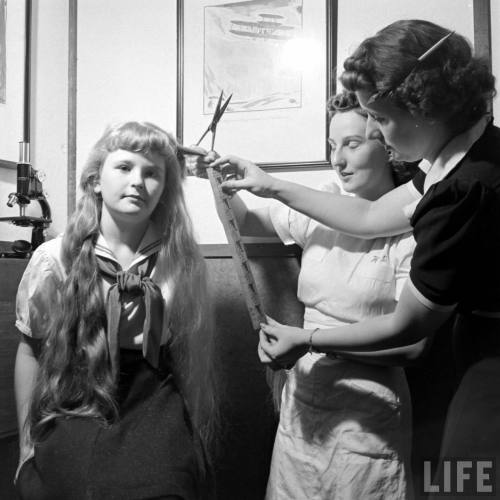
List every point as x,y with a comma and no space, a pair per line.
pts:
363,218
351,215
375,334
411,322
398,356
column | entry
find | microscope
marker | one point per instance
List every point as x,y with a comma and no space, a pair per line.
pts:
29,188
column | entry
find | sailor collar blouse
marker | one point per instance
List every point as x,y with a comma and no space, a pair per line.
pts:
39,292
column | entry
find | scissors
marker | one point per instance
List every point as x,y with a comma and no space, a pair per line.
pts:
212,127
219,111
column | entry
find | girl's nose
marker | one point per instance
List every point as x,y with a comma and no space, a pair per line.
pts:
137,179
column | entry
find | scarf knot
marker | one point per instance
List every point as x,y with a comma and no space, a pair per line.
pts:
135,284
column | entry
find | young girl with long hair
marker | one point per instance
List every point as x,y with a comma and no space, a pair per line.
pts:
115,381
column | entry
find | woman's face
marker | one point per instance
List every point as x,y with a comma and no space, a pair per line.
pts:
131,184
361,163
406,137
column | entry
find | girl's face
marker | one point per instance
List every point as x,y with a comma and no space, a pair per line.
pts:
361,163
406,137
131,184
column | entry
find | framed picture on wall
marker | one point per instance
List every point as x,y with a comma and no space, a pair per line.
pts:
12,67
276,59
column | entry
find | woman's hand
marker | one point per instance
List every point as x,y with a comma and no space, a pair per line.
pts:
282,345
197,164
249,177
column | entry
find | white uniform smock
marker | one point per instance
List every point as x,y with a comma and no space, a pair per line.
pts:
345,427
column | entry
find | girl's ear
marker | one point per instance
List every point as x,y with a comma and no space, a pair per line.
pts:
97,186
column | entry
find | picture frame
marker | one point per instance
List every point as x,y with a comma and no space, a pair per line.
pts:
277,59
13,67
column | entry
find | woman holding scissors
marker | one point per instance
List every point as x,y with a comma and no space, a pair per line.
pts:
427,98
344,429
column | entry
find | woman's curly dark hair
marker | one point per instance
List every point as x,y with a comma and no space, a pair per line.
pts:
451,85
347,101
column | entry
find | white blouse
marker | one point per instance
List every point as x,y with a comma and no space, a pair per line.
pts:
39,292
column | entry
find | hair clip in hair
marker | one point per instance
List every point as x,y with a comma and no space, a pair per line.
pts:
423,57
433,49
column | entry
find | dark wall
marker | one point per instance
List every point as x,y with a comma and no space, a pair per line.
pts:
247,409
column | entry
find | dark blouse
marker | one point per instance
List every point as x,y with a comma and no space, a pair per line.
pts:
457,230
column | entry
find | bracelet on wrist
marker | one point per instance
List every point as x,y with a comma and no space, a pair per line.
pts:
311,347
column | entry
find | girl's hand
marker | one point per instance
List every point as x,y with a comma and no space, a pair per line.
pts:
281,344
197,164
249,177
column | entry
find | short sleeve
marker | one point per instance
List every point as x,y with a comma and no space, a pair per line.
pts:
291,226
38,294
403,251
447,228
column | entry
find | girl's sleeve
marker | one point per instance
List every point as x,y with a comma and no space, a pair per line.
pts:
38,295
448,227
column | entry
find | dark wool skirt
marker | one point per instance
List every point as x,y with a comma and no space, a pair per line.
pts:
150,453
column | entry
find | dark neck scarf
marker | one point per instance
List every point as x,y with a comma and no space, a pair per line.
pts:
139,284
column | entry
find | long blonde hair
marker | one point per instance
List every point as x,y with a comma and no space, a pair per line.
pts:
75,375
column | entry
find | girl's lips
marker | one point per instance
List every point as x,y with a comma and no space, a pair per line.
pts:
134,198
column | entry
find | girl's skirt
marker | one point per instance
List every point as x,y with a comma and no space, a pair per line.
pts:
150,453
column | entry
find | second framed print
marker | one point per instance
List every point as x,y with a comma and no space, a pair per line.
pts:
276,59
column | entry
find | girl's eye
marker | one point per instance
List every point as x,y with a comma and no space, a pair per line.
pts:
353,144
123,167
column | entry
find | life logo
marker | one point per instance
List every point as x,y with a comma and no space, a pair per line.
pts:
466,477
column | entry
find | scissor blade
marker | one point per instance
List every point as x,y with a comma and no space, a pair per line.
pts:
204,134
213,138
224,106
217,108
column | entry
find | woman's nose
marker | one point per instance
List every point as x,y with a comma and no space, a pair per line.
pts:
338,159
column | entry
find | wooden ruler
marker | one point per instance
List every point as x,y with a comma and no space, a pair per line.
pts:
237,249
